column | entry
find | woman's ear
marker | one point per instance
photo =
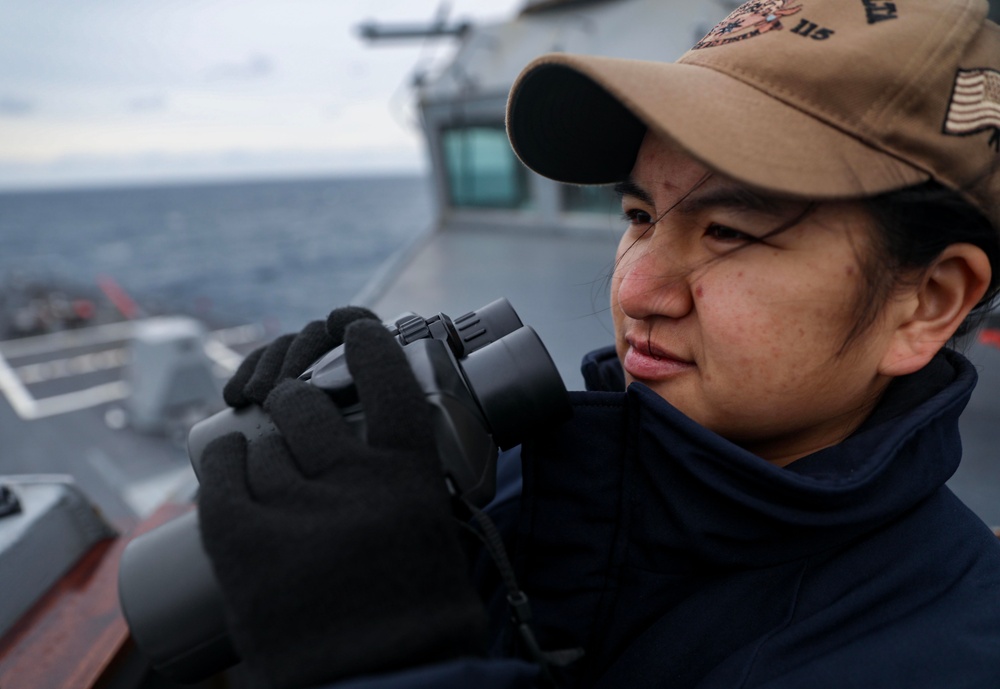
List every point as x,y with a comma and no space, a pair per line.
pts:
931,312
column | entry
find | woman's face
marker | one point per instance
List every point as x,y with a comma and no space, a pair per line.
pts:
743,332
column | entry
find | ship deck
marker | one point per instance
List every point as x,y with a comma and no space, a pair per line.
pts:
64,410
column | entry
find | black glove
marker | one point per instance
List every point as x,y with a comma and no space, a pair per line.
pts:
338,557
288,356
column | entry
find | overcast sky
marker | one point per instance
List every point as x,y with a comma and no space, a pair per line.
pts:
106,91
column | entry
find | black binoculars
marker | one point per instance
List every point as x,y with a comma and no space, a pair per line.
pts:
489,383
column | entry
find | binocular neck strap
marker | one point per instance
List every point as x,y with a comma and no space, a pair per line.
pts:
517,600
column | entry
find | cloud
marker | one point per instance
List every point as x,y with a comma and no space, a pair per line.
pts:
149,103
12,106
113,77
257,66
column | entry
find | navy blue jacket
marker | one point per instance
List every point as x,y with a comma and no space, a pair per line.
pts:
674,558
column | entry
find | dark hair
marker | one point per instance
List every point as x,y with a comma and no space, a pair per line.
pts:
912,227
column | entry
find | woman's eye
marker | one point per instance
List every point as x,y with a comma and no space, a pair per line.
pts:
727,234
638,217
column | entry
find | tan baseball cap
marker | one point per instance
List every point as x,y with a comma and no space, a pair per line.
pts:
820,99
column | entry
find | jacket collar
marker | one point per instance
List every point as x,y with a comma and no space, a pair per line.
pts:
694,493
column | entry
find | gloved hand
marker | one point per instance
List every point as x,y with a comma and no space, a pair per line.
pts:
288,356
336,556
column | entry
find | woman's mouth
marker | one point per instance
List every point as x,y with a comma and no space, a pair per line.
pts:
645,361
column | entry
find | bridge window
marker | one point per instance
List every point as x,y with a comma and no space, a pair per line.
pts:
482,169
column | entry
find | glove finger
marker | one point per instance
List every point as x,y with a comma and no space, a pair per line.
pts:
396,411
288,356
232,393
339,319
311,425
268,369
310,344
271,474
223,470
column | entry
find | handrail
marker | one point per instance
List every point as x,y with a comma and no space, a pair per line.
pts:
72,637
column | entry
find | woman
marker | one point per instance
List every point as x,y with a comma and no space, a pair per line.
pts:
812,217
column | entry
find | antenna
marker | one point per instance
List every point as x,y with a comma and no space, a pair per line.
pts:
437,28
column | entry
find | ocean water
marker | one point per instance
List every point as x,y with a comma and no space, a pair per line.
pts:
279,253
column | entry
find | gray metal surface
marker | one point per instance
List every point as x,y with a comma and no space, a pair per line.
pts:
64,410
55,527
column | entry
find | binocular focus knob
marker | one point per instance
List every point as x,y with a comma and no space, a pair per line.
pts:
412,328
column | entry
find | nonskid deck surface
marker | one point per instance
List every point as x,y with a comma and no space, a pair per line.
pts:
57,373
66,412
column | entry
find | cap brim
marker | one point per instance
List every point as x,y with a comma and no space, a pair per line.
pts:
580,119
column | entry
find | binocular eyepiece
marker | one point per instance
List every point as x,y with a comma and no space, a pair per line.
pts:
489,383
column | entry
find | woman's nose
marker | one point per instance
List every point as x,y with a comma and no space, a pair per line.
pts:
649,282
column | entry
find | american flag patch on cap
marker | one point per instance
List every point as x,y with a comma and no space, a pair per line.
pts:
975,102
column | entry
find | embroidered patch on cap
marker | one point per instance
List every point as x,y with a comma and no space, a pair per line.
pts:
975,104
748,20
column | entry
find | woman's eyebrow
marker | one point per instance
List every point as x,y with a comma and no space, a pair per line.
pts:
629,187
735,197
725,196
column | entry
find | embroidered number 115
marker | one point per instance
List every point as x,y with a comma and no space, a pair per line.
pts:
806,28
